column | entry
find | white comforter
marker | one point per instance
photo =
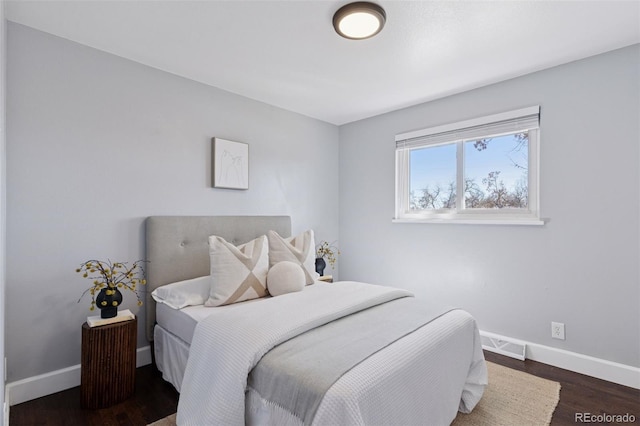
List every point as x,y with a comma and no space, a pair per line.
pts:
448,373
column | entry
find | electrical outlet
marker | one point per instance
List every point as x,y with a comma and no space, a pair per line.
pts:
557,330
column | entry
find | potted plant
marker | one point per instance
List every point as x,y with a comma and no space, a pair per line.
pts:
107,280
328,251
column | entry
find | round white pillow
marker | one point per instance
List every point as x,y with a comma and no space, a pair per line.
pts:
285,277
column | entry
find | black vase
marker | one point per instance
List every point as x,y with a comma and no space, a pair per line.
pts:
108,303
320,265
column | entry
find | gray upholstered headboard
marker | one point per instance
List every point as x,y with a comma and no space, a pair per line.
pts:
178,247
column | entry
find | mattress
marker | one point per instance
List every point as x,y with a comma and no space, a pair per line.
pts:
182,322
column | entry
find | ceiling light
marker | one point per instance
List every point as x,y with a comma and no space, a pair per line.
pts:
359,20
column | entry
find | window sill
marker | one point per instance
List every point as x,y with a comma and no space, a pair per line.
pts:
474,221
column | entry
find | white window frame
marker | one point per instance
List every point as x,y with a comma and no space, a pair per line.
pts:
526,119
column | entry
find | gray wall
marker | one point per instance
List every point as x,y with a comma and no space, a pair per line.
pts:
95,144
581,268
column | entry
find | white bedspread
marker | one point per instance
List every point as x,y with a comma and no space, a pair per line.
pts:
226,347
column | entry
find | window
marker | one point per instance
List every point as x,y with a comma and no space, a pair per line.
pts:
483,170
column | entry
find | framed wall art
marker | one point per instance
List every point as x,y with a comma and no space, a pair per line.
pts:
230,164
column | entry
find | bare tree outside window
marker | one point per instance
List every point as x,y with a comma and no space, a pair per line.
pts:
495,174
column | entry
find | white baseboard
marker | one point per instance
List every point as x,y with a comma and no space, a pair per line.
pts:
584,364
56,381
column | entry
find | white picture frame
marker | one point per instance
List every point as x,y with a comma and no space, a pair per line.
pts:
230,164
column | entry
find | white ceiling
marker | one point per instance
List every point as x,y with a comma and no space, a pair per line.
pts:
286,53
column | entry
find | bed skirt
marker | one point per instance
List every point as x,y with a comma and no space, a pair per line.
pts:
171,355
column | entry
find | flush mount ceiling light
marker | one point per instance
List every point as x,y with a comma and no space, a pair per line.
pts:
359,20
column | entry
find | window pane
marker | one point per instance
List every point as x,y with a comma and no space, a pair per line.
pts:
432,178
496,172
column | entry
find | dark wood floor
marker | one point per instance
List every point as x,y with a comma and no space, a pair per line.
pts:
579,393
155,399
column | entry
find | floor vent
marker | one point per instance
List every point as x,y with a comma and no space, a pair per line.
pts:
503,345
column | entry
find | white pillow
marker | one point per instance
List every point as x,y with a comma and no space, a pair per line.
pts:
285,277
183,293
300,249
237,273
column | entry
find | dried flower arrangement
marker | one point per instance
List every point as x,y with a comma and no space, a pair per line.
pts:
328,251
111,276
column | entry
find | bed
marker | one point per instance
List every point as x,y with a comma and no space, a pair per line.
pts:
302,357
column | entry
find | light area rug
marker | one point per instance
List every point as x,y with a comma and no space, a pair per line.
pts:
512,398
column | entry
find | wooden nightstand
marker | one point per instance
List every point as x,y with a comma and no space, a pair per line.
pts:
326,278
108,369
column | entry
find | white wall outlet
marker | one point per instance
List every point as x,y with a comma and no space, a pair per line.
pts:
557,330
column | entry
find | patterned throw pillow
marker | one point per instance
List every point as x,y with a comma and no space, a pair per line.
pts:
300,249
237,273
